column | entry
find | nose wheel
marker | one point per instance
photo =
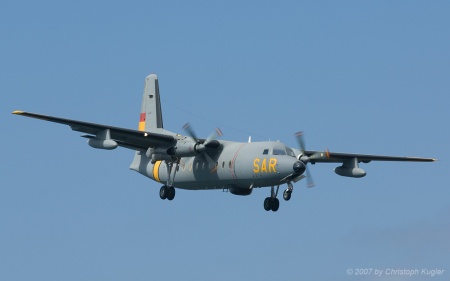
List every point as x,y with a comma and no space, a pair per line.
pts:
288,192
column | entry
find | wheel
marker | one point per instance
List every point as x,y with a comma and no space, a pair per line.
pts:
164,192
268,204
275,204
171,193
287,195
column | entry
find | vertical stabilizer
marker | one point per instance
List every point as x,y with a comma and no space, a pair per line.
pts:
151,115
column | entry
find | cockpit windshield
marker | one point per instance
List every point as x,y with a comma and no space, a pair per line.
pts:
278,151
290,152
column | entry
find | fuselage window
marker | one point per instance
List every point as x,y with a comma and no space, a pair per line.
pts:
266,151
279,151
223,164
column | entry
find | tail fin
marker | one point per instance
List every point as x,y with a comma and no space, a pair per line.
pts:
151,114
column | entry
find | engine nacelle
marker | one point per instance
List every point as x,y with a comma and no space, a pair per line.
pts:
183,149
240,191
102,144
350,172
160,157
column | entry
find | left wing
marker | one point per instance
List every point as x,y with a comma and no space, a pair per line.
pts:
350,162
132,139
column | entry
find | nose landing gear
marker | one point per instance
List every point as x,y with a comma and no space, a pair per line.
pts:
288,192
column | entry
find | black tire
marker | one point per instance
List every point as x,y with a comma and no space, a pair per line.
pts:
287,195
275,204
268,204
163,192
171,193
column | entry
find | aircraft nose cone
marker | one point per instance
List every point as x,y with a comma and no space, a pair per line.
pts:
299,167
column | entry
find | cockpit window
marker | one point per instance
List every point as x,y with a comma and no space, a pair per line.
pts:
290,152
266,151
277,151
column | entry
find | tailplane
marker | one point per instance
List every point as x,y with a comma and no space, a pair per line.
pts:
151,114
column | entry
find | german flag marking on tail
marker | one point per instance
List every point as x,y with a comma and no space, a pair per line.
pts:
142,122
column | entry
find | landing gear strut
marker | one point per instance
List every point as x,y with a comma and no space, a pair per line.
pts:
168,191
272,202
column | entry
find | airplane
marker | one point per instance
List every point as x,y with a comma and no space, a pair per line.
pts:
192,163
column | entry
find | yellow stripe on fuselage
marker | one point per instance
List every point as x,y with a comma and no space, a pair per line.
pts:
156,170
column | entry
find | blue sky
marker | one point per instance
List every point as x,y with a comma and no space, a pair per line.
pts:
355,76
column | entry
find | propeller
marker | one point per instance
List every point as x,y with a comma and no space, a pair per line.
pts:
210,142
307,159
200,146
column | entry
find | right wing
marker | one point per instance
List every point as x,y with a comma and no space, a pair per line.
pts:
132,139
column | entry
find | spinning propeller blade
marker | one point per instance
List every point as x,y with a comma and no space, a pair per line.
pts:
214,135
190,131
300,141
304,158
210,142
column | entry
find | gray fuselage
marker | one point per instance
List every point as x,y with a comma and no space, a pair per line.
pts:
234,165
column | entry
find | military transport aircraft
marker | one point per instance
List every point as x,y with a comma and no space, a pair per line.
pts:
189,162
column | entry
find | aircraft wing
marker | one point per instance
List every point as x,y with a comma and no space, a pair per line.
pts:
132,139
335,157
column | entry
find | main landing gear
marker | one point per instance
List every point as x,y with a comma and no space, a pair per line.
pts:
272,203
168,191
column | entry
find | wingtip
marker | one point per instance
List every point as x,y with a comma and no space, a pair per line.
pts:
18,112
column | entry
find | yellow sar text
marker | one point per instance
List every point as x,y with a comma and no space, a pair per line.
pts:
261,166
